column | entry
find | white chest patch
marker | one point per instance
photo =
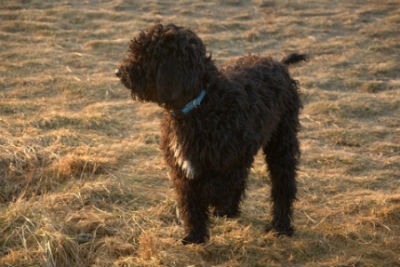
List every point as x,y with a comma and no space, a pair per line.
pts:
180,159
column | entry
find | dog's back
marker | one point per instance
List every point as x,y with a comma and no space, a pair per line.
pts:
264,78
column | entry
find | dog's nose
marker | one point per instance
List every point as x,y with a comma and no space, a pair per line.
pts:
118,73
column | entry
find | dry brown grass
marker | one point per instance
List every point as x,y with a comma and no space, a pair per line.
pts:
82,181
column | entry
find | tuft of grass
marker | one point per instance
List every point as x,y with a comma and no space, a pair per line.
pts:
374,87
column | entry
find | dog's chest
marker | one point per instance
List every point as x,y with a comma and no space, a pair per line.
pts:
181,158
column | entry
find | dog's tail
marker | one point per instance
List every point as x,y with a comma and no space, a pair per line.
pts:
294,58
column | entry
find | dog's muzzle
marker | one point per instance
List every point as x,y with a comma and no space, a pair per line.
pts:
118,73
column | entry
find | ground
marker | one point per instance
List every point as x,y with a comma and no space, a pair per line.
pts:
82,181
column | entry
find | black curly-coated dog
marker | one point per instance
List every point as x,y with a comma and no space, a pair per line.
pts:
215,121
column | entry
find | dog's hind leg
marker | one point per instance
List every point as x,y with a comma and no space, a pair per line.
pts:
282,154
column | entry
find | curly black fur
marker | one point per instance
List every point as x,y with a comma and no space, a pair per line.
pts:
251,103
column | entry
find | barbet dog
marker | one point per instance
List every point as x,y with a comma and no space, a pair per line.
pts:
215,121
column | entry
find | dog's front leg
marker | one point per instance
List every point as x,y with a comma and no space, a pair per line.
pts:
193,210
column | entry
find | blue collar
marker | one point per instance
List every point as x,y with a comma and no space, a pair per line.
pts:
194,103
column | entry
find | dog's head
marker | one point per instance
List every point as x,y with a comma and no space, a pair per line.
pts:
164,64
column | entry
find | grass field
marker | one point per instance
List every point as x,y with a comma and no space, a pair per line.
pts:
82,180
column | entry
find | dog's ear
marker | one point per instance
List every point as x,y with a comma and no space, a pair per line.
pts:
181,68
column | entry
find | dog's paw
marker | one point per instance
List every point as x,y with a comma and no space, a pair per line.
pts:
280,230
195,239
